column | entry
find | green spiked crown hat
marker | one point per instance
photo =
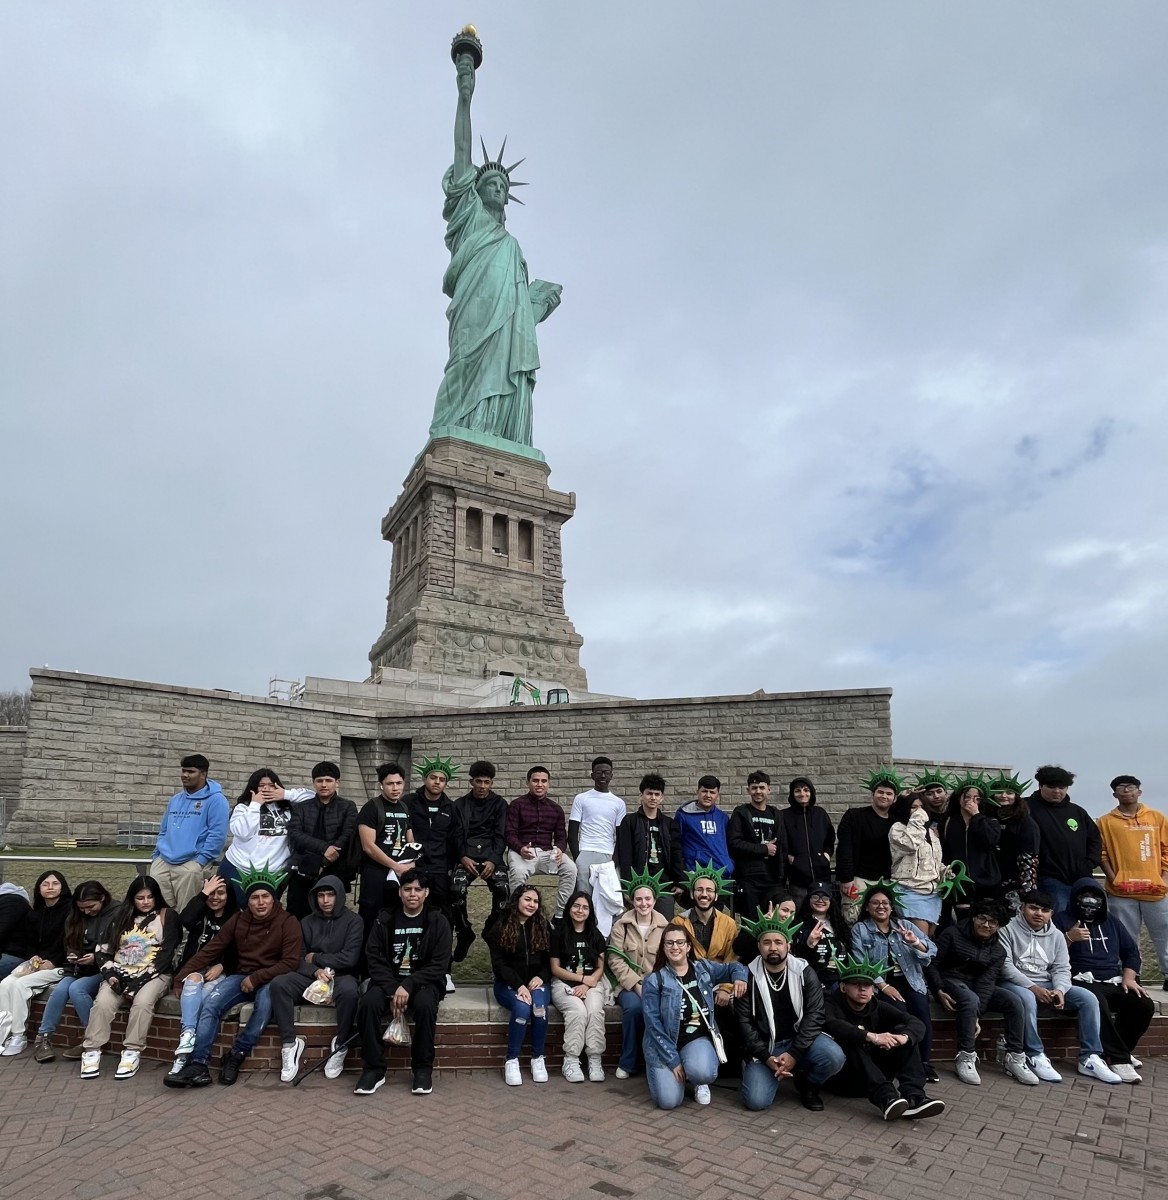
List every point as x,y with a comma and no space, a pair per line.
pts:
261,877
883,776
445,765
882,885
860,970
934,778
788,927
969,780
655,882
1008,783
716,875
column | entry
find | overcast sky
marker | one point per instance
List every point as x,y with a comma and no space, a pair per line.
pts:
859,373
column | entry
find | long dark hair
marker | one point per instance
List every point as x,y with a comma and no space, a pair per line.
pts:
565,930
507,937
835,915
253,782
661,962
38,901
127,914
1017,811
91,889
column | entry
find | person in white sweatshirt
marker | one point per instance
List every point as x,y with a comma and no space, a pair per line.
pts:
1038,971
259,828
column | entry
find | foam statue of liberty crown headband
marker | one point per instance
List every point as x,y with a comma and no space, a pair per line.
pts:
890,886
1007,783
655,882
716,875
787,926
860,970
934,778
428,765
261,877
883,776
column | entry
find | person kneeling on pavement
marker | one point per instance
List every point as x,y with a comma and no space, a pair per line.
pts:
332,935
408,955
781,1020
266,942
880,1042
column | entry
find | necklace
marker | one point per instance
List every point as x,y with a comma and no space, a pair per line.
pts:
777,987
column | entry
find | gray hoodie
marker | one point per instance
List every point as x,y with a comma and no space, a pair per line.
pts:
333,941
1035,957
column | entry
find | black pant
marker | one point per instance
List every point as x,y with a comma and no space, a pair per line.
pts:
287,989
460,883
1124,1018
870,1071
423,1007
752,894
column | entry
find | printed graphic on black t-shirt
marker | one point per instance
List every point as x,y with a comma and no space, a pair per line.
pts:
404,942
653,831
274,820
211,926
691,1012
581,957
764,825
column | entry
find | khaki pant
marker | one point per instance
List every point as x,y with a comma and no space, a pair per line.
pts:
520,869
106,1006
851,908
180,882
583,1019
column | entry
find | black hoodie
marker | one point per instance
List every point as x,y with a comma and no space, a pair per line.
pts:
484,827
809,837
202,925
44,927
438,827
1069,845
333,941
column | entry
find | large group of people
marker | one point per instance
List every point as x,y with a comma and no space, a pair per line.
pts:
762,943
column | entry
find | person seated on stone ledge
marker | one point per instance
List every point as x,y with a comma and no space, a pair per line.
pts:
267,943
1038,971
135,962
482,855
537,839
682,1043
408,956
781,1021
331,939
14,910
579,989
879,1041
321,833
43,940
1105,960
521,961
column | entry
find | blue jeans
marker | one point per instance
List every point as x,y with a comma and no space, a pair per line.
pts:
632,1029
1079,1001
226,995
1060,892
700,1060
523,1015
822,1059
9,963
194,994
81,990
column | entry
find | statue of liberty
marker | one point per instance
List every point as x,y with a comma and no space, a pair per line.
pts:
494,308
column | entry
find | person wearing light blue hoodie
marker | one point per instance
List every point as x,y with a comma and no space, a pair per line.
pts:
191,835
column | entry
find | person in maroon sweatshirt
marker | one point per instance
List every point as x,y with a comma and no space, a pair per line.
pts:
537,839
267,942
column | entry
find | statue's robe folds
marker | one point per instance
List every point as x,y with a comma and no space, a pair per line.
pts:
490,374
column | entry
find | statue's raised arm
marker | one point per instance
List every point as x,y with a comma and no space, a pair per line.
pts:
494,306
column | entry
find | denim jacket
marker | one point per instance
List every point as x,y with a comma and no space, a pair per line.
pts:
867,939
662,1005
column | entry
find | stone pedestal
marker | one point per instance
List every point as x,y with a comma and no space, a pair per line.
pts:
477,581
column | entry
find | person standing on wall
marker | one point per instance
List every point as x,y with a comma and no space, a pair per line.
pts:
191,834
592,823
321,832
1069,848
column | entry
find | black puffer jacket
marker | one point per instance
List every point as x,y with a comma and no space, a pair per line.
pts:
967,959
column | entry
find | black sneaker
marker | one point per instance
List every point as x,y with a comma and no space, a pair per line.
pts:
462,944
423,1082
931,1075
920,1107
810,1098
193,1074
371,1079
229,1066
895,1109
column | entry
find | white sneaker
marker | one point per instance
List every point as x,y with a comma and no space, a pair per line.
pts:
621,1073
90,1064
1041,1066
1095,1068
1137,1063
1125,1071
186,1043
1015,1066
290,1053
571,1070
539,1070
336,1061
128,1064
16,1044
595,1070
966,1067
449,984
512,1076
702,1093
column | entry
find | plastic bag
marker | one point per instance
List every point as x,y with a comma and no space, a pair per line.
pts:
319,991
397,1032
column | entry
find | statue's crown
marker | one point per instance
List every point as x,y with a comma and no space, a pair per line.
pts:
496,165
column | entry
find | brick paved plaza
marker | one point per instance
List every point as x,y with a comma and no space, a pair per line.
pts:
477,1139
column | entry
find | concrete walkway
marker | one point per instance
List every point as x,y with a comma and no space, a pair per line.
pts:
476,1139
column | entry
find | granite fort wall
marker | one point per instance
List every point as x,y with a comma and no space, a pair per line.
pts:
12,742
101,750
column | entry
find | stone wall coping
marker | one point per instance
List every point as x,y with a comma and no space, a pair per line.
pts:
476,710
13,730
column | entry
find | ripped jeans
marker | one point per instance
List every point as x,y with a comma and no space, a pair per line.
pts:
522,1016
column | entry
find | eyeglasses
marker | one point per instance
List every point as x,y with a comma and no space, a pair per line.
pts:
676,945
984,920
